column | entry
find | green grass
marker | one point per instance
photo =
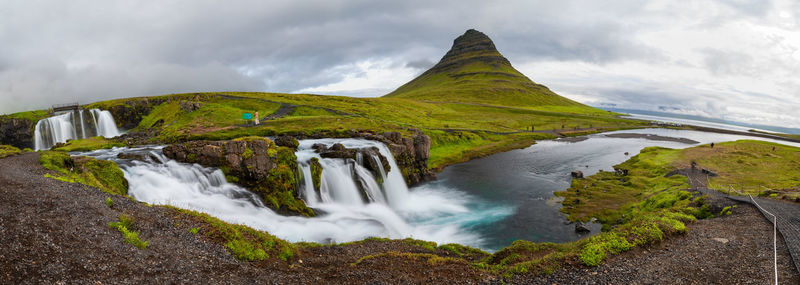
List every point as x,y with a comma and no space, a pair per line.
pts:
454,147
430,259
244,243
33,116
481,130
7,150
103,174
215,114
89,144
749,166
605,195
125,227
109,202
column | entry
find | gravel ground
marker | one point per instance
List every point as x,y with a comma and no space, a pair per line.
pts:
56,232
734,249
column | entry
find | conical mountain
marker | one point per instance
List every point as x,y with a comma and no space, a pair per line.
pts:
473,71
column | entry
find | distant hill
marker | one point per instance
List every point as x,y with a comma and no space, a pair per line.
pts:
473,71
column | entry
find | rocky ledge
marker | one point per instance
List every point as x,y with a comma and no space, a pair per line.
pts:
17,132
411,154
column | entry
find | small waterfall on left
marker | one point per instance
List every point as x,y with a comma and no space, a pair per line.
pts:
74,125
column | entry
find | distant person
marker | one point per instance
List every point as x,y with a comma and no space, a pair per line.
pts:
773,148
712,145
256,116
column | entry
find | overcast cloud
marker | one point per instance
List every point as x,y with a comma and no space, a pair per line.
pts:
736,60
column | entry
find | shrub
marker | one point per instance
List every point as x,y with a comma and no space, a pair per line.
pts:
109,202
598,247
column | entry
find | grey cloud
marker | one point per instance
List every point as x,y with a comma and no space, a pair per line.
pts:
420,64
289,45
89,50
721,62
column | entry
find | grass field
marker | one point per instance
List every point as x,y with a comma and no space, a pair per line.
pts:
748,166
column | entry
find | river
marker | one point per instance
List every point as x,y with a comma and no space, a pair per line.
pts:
486,203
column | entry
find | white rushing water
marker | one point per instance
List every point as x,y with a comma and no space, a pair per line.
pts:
73,125
391,210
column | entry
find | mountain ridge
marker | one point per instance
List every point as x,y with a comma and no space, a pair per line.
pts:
473,71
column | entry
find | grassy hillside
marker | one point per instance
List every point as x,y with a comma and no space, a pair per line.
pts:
459,131
474,72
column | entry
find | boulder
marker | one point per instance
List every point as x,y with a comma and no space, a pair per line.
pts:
422,146
394,137
287,141
338,151
319,147
581,227
190,106
577,174
374,161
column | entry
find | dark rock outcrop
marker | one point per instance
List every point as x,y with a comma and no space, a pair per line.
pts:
287,141
17,132
247,160
371,158
129,113
411,155
255,163
577,174
190,106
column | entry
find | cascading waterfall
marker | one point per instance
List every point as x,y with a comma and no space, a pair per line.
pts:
389,209
73,125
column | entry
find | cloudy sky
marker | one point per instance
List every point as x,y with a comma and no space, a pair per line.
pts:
737,60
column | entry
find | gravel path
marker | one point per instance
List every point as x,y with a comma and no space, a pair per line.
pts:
734,249
788,215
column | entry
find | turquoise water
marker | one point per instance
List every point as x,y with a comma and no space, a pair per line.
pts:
524,180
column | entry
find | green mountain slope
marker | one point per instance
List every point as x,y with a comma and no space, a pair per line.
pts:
473,71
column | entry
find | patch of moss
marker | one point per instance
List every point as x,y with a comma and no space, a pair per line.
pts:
431,259
280,186
89,144
125,227
316,173
248,153
7,150
244,243
462,250
103,174
599,246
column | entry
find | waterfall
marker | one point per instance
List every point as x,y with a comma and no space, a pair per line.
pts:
350,204
73,125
